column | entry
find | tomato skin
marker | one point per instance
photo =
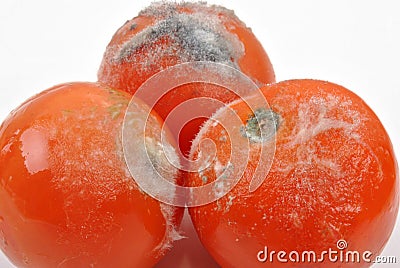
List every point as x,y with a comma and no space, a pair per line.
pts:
210,33
66,196
334,176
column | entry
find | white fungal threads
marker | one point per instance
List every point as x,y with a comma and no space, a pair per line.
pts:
146,156
150,160
313,118
321,176
171,229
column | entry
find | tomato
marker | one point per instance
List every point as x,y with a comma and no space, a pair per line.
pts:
67,198
333,183
166,34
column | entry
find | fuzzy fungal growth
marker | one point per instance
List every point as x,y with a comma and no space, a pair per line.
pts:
167,33
197,36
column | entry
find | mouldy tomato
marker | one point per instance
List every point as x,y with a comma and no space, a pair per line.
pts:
165,34
334,177
66,196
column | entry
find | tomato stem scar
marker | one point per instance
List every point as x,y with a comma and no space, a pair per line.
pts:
261,125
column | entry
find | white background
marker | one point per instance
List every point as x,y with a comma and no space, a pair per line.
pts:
352,43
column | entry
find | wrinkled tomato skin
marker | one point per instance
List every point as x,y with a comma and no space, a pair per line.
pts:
334,176
128,71
66,196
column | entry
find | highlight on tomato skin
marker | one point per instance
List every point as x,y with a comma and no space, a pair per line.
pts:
167,33
67,198
334,178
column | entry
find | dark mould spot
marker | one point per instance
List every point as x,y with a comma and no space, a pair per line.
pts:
133,26
261,126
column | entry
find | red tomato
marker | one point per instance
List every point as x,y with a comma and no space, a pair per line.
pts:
166,34
66,196
334,177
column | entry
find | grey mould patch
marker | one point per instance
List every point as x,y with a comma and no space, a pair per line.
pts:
162,9
197,36
261,126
